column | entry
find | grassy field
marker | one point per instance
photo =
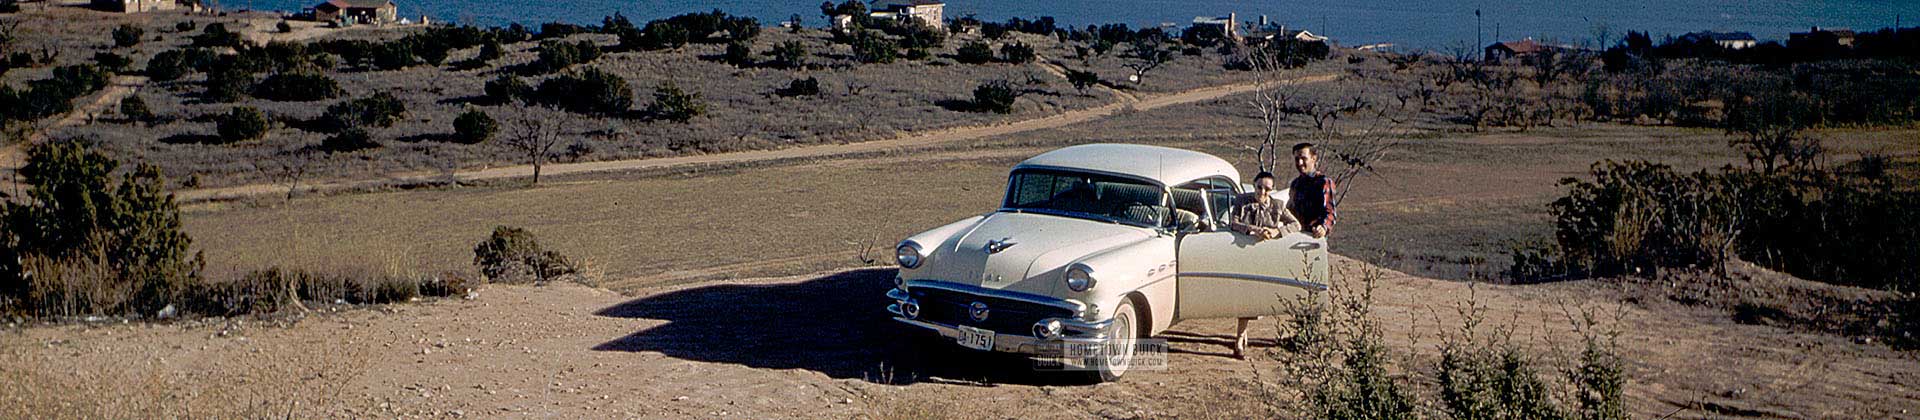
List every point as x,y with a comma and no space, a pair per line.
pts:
1445,204
858,102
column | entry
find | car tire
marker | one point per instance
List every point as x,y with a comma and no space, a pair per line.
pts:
1117,355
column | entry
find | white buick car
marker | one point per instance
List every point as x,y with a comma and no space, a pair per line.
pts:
1097,246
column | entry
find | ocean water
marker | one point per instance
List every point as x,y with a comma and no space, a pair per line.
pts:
1415,24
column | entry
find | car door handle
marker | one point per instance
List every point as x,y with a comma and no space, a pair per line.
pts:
1305,246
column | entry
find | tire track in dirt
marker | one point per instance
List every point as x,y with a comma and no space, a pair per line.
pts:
950,135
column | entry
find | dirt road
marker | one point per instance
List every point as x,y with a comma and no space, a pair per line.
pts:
119,87
919,140
819,346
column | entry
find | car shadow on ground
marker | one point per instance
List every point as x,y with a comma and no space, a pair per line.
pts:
836,325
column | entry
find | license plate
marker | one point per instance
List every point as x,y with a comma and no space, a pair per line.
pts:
976,338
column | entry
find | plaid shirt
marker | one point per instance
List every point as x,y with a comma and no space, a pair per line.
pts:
1313,200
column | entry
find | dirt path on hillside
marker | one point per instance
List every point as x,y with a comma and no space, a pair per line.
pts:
819,346
13,156
921,140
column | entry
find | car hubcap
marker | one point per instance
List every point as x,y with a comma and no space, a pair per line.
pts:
1119,352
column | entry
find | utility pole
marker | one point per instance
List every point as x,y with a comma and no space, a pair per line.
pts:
1477,42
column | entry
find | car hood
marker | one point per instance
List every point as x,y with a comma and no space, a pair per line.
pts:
1041,246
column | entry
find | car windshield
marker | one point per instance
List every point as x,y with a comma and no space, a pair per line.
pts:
1087,196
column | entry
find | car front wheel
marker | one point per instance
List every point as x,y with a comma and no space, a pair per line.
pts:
1112,360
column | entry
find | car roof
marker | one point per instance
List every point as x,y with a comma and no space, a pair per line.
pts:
1164,165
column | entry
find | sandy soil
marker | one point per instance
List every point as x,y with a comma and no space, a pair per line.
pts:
819,346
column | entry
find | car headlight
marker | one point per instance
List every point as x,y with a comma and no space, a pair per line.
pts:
1080,278
908,255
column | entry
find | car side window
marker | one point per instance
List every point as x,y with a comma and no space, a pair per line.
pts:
1211,198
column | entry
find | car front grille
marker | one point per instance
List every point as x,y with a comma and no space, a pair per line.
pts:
1004,316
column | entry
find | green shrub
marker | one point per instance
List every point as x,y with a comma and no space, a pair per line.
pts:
995,96
738,54
167,66
474,126
874,47
216,35
241,124
1637,216
512,255
790,55
393,55
9,6
297,87
127,35
227,84
134,108
657,35
800,87
975,52
590,91
76,223
672,104
110,62
1017,53
349,140
556,56
283,27
379,110
1082,79
183,26
507,88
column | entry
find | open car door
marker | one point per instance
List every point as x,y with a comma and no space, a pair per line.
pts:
1226,274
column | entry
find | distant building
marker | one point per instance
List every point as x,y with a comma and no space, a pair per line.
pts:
931,12
1269,32
1821,38
1728,40
1523,50
134,6
357,11
1225,25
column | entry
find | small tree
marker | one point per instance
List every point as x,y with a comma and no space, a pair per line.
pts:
134,108
1017,53
241,124
284,27
790,55
975,52
672,104
227,84
112,63
738,54
534,133
995,96
474,126
127,36
1146,55
1082,79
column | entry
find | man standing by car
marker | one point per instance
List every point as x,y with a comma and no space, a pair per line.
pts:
1312,193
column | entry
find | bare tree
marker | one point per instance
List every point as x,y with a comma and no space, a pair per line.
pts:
289,168
534,133
1147,55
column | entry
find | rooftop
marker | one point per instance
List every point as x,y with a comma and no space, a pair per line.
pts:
1166,165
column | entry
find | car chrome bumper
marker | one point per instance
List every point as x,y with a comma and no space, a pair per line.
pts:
1073,331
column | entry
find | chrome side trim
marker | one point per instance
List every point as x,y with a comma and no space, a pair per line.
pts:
1259,278
1068,304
